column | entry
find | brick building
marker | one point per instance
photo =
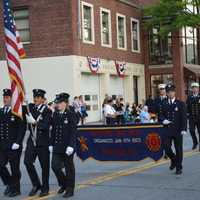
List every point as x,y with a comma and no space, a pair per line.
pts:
173,59
58,37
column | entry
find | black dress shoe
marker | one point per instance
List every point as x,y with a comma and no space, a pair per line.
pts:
194,147
61,190
69,193
172,166
14,193
179,172
7,191
34,191
165,157
44,193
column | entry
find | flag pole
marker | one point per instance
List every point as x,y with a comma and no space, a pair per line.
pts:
32,133
12,38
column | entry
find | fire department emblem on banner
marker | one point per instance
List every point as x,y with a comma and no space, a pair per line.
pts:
153,142
121,68
83,143
94,64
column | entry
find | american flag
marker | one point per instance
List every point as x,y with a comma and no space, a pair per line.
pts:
14,50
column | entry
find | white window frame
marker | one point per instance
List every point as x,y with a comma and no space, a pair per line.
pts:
138,35
92,21
125,32
28,29
110,27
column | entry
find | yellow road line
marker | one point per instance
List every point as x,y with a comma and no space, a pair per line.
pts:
127,172
120,127
114,175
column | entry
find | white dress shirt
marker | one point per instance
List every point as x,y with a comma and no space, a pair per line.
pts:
171,100
109,110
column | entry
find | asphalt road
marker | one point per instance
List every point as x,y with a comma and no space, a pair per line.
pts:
145,180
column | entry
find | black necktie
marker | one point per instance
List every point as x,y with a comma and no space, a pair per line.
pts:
36,107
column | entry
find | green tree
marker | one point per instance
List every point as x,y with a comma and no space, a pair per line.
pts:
172,15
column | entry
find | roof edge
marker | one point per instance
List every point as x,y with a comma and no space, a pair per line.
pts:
138,6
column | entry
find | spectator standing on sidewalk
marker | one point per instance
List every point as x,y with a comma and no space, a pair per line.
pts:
109,112
119,107
144,115
83,110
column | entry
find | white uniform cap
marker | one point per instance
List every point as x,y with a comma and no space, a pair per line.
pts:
195,84
161,86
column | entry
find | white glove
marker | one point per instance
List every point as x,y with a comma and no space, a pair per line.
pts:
183,132
26,99
15,146
50,149
30,119
69,151
166,122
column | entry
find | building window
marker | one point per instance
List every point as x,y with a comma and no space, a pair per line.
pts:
88,23
160,49
22,23
159,79
190,45
135,35
121,32
91,102
106,35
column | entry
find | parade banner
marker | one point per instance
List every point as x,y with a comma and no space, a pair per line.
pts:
94,64
120,143
121,69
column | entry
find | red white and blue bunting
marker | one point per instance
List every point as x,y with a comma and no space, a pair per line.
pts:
94,64
121,68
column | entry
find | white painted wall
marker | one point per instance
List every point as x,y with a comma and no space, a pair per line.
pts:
51,74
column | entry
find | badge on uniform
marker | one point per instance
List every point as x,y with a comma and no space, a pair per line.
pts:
66,121
176,109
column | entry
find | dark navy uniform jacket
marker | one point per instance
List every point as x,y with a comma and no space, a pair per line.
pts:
193,107
43,115
158,106
64,131
12,130
151,105
176,113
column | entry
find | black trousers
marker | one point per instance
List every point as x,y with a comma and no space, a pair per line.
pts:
110,121
13,177
4,179
120,119
42,153
193,124
65,179
177,157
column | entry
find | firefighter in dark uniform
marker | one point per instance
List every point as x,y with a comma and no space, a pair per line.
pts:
39,120
150,104
63,144
174,115
158,102
193,109
12,131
